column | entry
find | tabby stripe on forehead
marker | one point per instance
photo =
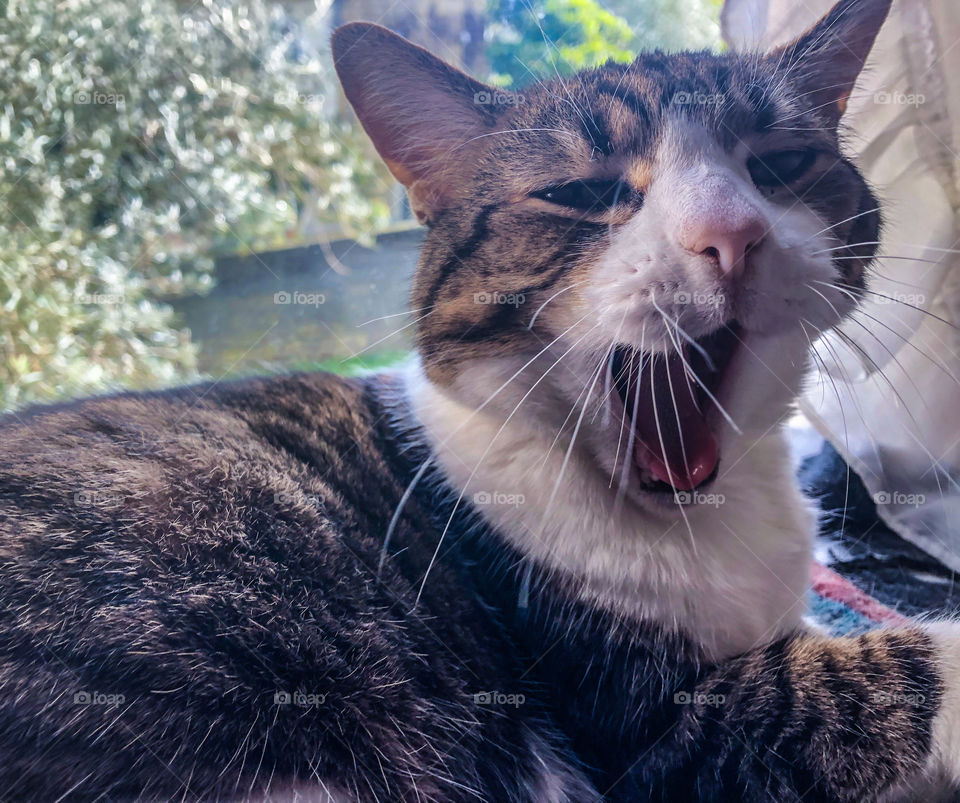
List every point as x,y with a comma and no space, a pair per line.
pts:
595,131
478,233
627,97
763,107
721,79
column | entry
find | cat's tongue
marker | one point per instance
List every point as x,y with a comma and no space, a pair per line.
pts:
672,437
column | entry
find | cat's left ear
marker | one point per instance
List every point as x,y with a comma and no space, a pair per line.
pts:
825,61
425,117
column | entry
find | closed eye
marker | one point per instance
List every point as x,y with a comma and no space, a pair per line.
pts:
780,168
586,195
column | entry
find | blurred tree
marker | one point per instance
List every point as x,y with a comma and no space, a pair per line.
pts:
136,140
542,38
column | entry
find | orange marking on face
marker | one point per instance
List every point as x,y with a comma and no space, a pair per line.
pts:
639,174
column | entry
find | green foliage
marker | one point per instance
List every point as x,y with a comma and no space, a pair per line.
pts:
136,140
351,366
544,38
532,39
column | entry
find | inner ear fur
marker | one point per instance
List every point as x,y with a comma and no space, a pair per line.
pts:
826,60
425,117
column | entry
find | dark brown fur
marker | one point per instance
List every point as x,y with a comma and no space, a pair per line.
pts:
198,552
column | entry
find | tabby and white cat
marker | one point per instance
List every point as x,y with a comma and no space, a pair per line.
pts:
564,557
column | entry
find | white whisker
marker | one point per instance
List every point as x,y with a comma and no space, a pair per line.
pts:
696,378
840,285
386,337
845,220
843,417
663,448
487,451
469,418
394,315
558,293
627,460
573,440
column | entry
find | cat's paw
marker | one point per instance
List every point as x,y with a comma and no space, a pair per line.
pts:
945,746
939,780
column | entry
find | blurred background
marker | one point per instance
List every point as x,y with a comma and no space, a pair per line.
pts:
184,192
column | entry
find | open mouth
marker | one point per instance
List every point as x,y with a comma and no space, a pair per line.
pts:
668,400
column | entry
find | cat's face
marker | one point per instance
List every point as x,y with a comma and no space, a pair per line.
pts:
644,251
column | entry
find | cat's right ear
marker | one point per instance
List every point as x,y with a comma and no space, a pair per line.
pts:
825,61
422,114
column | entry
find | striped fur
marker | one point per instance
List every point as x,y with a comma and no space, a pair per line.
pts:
231,552
428,586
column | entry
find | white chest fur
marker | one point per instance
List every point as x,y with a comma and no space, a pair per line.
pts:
732,576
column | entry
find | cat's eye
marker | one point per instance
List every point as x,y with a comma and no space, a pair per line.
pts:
587,195
780,168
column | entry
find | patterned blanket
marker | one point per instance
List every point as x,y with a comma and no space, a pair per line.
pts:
842,608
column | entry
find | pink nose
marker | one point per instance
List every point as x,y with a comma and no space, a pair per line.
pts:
720,223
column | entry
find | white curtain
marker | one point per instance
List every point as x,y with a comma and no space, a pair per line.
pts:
890,402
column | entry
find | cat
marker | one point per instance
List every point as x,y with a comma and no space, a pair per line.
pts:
561,556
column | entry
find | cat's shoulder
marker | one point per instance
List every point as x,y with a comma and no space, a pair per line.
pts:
186,402
237,414
285,448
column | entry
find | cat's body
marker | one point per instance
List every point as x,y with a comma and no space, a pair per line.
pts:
220,546
562,557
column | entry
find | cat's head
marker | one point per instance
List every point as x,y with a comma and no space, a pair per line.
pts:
639,253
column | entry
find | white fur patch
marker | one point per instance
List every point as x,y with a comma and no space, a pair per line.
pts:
557,782
647,277
734,579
